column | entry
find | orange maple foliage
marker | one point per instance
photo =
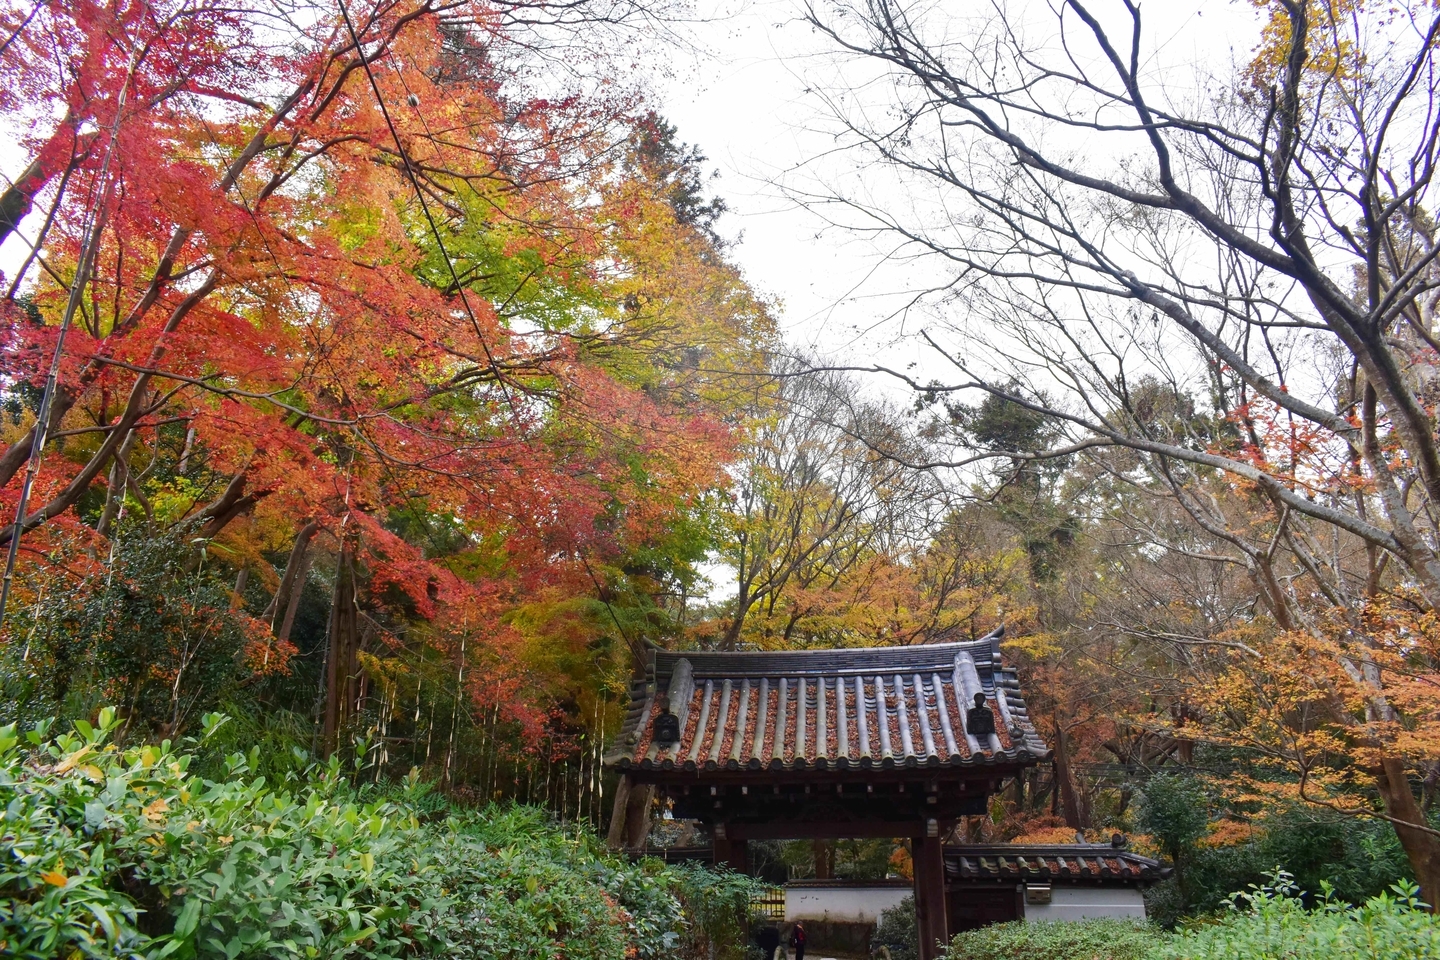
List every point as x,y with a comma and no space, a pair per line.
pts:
340,289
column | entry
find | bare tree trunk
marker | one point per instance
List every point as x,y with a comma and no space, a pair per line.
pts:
1422,847
445,777
823,852
291,608
1015,793
281,601
1069,795
184,465
731,640
241,578
115,487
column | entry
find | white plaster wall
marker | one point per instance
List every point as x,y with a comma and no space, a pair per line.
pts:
1084,903
843,904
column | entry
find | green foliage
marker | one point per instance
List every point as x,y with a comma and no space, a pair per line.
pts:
717,901
795,859
896,931
1358,859
276,743
127,853
1175,811
121,635
1271,923
677,169
1057,940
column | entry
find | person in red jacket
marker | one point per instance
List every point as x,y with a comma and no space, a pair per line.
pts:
797,940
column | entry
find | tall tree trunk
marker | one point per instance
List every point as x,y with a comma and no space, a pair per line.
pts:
184,465
1421,847
287,622
282,604
115,488
824,853
1015,793
1069,795
238,600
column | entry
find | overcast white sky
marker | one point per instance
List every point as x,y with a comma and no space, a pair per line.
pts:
741,96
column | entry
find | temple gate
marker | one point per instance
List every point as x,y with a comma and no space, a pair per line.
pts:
826,744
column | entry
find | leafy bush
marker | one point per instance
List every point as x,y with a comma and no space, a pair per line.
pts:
896,931
718,905
1268,923
1175,811
124,631
1359,858
126,853
1057,940
1271,923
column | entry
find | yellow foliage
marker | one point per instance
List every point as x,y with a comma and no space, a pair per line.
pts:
1228,833
1331,47
1047,835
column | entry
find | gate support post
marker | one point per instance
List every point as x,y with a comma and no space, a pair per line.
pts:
929,863
729,851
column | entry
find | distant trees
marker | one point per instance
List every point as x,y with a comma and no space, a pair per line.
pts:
1220,297
813,510
834,539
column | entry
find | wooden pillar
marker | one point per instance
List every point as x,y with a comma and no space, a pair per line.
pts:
739,856
637,815
929,862
615,838
721,846
732,852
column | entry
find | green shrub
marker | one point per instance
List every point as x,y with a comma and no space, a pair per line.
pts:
1271,923
1268,923
896,931
107,852
1057,940
717,902
1360,858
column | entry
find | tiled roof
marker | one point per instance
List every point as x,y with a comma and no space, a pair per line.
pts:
1066,863
829,709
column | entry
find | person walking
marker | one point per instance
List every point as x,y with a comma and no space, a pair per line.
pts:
797,940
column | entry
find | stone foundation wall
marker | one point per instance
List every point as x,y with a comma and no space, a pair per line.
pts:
839,936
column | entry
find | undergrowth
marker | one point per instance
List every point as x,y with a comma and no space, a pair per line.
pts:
111,852
1269,922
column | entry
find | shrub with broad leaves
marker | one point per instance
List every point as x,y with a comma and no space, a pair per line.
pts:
122,852
1270,922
